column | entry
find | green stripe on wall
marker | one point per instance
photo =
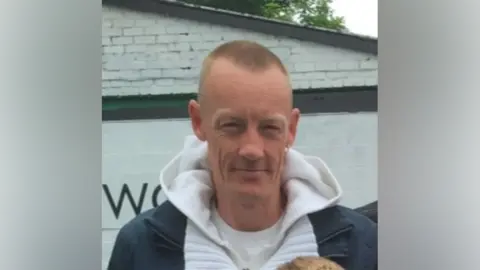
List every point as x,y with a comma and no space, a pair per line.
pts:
332,100
146,101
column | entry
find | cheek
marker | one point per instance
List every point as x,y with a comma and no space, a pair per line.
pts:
277,156
219,152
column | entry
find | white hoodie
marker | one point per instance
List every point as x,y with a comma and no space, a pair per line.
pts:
186,183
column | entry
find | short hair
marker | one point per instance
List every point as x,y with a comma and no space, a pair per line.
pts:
244,53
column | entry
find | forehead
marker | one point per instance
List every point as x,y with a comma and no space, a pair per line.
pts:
238,89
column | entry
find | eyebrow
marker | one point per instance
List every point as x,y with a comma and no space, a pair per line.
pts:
222,113
276,118
219,114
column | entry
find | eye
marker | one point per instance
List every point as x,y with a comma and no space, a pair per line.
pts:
230,125
272,127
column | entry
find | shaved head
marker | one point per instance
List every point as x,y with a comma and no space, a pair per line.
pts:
247,55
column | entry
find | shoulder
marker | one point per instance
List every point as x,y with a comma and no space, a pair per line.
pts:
370,210
131,231
126,241
136,236
356,232
343,215
163,217
362,225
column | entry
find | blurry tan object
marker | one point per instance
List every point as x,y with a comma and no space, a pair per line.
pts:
311,263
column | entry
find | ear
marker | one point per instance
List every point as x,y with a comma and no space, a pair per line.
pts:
196,119
292,126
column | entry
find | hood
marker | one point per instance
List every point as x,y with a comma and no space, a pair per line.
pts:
186,183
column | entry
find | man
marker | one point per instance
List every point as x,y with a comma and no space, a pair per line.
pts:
238,196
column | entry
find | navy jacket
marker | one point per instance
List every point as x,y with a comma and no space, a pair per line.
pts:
154,239
369,210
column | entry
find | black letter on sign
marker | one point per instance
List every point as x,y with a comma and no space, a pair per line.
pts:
116,208
155,195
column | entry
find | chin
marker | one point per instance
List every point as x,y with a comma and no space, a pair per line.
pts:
254,187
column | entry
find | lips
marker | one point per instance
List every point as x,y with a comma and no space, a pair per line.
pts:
250,170
250,174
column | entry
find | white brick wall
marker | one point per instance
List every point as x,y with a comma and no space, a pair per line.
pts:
150,54
135,151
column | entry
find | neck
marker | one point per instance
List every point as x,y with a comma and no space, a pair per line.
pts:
250,214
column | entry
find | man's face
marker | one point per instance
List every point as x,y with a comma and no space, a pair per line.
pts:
247,120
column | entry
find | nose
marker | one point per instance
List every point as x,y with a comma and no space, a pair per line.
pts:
251,145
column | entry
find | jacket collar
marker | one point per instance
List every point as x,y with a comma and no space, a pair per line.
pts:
167,226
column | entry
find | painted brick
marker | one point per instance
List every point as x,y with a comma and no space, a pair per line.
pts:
189,37
177,29
371,81
337,75
124,23
144,40
119,83
165,82
283,53
321,83
142,83
352,81
167,38
325,66
123,75
122,40
369,64
143,23
179,47
348,65
181,73
209,45
158,48
111,32
301,84
155,30
106,41
113,49
133,31
135,48
127,91
209,37
107,23
151,73
304,67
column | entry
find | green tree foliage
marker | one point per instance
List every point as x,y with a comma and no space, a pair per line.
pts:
316,13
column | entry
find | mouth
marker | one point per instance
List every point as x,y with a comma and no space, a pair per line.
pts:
250,175
249,170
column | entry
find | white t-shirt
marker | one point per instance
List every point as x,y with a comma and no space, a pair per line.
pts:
249,250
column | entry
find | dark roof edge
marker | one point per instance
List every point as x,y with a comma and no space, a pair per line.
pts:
327,37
